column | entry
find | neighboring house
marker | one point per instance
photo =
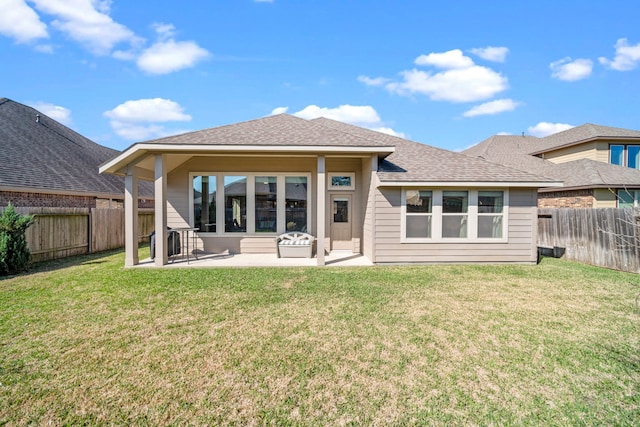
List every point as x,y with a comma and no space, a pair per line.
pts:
598,165
45,164
390,199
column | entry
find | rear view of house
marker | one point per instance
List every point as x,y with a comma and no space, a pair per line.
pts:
354,189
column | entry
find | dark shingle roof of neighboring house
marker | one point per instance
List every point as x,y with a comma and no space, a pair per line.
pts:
417,162
580,134
45,155
514,151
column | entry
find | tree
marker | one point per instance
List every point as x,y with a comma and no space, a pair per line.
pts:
14,253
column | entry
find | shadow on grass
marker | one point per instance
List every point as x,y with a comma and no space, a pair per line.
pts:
62,263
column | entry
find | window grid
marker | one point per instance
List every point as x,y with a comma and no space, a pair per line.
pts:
625,155
469,216
245,210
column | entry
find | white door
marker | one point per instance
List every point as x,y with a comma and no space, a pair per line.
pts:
341,222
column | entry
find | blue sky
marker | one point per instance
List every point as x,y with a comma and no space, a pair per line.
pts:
448,74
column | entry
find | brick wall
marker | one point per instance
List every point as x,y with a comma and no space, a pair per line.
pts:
109,204
567,199
119,204
43,200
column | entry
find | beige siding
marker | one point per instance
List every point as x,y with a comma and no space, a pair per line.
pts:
605,198
595,150
520,248
178,198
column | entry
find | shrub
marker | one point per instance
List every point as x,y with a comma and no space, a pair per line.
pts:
14,253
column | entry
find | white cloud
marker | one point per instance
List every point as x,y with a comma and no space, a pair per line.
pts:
492,107
389,131
359,115
21,22
56,112
87,22
457,85
627,56
279,110
138,119
169,56
569,70
373,81
149,110
447,60
164,31
491,53
344,113
543,129
460,79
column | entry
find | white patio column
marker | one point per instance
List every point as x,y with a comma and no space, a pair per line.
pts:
160,190
320,213
131,217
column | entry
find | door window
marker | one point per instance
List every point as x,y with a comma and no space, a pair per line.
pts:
340,210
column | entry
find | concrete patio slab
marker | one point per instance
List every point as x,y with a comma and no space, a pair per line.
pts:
334,259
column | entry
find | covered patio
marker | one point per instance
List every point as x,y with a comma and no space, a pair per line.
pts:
209,260
236,188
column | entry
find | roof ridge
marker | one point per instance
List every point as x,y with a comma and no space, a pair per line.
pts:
222,127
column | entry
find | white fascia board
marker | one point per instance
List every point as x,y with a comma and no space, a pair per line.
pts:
132,153
122,160
470,184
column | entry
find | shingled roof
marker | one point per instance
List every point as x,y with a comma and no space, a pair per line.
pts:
277,130
401,160
417,162
514,151
45,155
580,134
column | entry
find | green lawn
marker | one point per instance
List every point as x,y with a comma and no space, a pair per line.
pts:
87,342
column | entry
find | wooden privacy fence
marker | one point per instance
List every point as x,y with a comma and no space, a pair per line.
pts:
62,232
603,237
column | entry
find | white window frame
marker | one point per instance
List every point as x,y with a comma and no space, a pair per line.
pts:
472,217
331,175
417,214
625,154
636,197
251,198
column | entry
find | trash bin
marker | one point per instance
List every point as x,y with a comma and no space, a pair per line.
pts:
173,243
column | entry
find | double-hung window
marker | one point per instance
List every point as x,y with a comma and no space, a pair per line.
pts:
490,214
419,215
455,213
434,215
625,155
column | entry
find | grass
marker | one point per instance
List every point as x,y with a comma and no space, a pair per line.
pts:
87,342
